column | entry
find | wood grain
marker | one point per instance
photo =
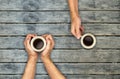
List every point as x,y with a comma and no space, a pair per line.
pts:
66,56
59,17
100,17
67,76
65,68
62,42
58,5
57,29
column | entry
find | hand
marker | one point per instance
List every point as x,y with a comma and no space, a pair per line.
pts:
30,51
45,55
76,27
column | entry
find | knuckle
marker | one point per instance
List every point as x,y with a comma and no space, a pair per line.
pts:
50,35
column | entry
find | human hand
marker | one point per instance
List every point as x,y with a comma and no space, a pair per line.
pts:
30,51
76,28
45,55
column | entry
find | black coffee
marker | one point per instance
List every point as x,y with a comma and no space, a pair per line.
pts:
88,40
38,44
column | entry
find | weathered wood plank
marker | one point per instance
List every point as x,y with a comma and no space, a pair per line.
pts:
62,42
71,68
57,29
62,16
19,77
67,76
107,4
58,5
23,29
81,55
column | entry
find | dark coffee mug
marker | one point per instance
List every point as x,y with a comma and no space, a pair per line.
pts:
88,41
38,43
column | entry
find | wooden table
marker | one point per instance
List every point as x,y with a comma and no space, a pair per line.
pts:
100,17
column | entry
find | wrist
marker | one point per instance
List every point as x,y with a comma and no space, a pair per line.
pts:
33,58
44,60
74,17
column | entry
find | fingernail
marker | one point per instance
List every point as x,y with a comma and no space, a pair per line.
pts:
77,37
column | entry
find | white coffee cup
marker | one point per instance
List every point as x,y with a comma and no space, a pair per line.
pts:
88,41
38,43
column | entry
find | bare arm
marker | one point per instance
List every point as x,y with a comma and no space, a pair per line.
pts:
30,69
76,26
73,5
52,70
29,72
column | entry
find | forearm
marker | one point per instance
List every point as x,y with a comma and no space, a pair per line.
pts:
52,70
30,69
73,6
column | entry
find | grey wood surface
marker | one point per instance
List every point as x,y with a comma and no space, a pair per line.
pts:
56,5
59,29
65,68
81,55
62,42
68,76
100,17
58,17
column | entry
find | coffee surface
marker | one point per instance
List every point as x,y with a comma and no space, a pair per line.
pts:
88,40
38,44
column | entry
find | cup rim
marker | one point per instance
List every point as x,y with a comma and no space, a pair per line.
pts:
91,46
41,38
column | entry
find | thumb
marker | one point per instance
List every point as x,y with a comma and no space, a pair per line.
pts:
78,33
48,42
82,28
47,46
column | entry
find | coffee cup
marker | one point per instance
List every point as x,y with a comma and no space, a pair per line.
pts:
88,41
38,43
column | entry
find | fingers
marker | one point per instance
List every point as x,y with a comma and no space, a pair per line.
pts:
48,37
82,28
73,31
78,33
44,36
50,45
28,48
50,40
76,27
28,39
